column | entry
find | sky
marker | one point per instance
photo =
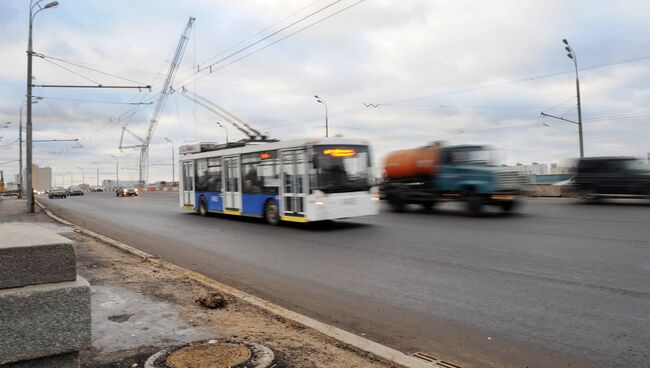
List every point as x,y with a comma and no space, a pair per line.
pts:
398,73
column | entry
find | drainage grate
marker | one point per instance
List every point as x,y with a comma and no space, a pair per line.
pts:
435,362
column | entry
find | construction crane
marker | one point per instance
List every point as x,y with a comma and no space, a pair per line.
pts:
166,90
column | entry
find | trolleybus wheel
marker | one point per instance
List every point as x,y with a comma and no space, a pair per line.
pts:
272,213
203,207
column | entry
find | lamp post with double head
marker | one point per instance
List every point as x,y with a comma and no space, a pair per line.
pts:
321,101
572,55
32,14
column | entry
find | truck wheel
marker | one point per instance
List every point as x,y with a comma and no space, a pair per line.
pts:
473,201
428,205
272,213
203,207
508,206
396,202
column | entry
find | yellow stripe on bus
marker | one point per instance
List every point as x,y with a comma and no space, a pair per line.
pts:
293,219
232,212
188,207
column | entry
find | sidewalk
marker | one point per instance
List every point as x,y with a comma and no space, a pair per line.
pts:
139,308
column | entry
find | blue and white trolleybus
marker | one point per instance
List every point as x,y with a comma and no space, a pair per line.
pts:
299,180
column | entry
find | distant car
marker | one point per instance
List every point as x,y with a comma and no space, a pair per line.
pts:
97,189
613,177
56,192
75,191
126,191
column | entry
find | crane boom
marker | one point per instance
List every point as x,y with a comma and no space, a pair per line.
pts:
160,105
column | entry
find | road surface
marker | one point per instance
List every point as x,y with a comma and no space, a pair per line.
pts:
561,284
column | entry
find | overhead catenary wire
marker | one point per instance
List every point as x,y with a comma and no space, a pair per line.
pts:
209,67
259,32
46,57
71,71
212,70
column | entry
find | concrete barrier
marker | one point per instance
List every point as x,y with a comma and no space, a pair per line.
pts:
44,307
544,190
34,255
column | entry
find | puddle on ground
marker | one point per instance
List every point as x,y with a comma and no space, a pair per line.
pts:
123,319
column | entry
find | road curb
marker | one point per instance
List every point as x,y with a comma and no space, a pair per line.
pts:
354,341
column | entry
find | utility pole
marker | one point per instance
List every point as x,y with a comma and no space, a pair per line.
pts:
35,100
572,55
173,161
321,101
30,51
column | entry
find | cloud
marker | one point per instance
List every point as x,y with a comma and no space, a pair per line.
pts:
439,70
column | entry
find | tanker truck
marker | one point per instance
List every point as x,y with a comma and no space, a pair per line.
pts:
435,173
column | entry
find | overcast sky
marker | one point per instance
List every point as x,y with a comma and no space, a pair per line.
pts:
459,71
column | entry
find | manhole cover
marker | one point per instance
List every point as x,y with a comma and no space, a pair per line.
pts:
222,355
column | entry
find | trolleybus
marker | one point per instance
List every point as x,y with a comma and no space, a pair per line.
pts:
299,180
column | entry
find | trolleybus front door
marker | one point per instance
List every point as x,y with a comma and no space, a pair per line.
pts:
294,179
231,193
188,184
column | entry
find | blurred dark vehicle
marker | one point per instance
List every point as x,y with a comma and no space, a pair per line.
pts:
56,192
614,177
126,191
75,191
97,189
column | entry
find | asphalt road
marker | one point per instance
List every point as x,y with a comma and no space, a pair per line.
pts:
561,284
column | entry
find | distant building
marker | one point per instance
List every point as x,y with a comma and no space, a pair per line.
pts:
556,169
532,169
41,178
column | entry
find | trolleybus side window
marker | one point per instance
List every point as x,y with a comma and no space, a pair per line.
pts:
260,172
214,174
202,177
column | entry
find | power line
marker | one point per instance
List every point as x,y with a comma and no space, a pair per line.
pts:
71,71
209,67
100,102
258,33
45,57
520,80
211,70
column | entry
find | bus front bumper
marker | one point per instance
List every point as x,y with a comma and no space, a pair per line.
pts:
342,205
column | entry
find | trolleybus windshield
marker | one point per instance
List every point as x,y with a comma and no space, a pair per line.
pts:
342,168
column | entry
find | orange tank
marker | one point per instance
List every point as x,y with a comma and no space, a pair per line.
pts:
414,162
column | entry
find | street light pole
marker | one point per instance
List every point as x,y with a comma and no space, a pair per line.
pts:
321,101
96,163
173,161
117,170
224,128
572,55
30,51
20,145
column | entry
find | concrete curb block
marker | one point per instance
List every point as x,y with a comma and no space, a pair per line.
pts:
345,337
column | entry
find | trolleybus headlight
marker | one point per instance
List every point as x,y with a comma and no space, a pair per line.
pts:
319,198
